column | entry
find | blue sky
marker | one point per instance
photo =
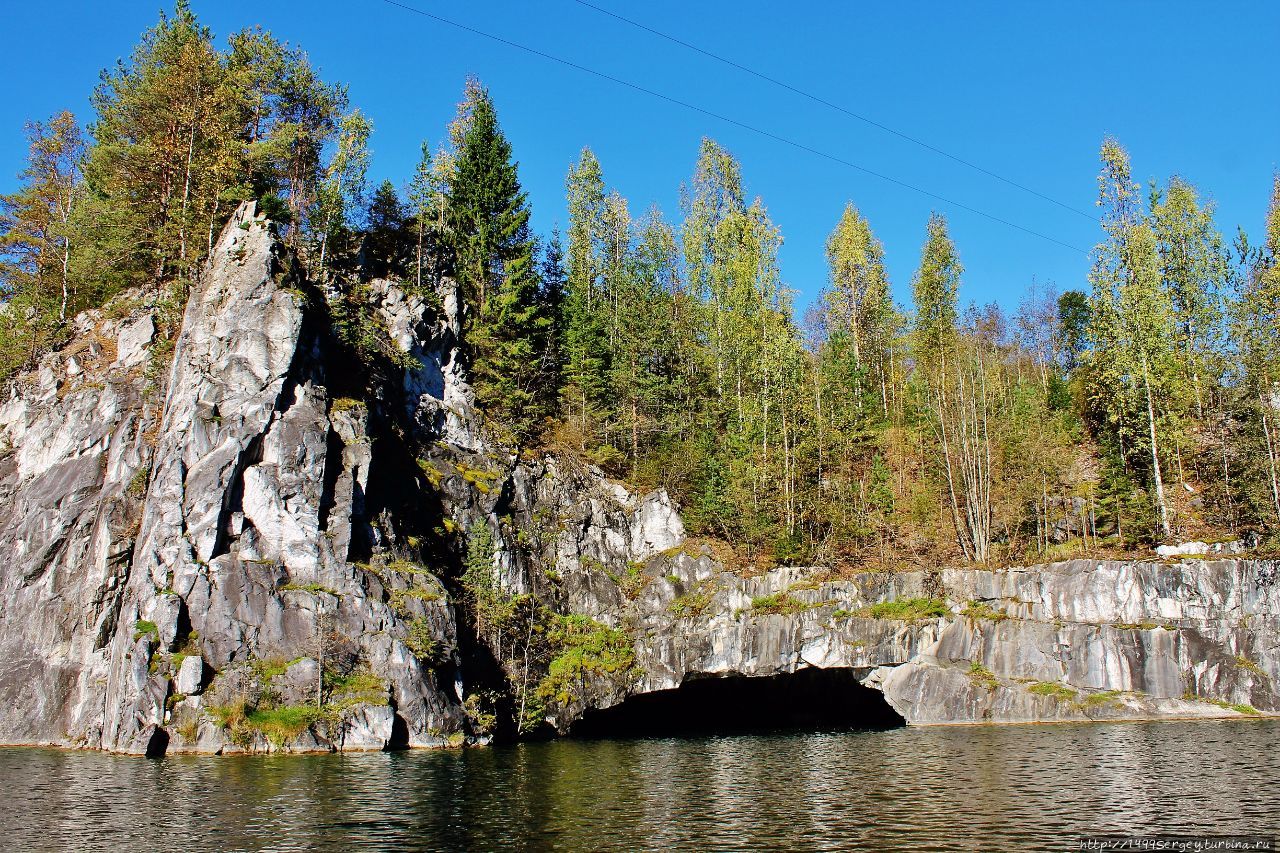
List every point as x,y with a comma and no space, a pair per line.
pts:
1027,90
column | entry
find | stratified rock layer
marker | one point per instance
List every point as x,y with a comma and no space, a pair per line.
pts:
190,526
1075,640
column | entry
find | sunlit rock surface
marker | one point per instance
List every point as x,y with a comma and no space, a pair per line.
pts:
195,522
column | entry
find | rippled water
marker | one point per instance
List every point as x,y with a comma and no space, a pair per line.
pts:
972,788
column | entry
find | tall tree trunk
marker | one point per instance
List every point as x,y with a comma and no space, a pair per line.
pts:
1162,512
1272,452
186,189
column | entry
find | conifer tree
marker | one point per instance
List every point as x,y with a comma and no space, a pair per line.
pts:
384,233
289,115
167,145
503,319
424,205
551,297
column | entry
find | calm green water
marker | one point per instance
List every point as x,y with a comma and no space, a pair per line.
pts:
986,788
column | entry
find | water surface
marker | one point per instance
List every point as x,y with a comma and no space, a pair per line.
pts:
962,788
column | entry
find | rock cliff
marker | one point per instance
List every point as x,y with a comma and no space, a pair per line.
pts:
253,530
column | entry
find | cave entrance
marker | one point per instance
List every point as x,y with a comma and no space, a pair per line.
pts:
806,700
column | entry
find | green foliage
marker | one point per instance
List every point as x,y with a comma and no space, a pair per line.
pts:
1101,699
910,609
692,604
346,404
363,330
934,289
982,677
358,687
480,714
491,606
632,581
181,133
984,611
234,718
37,285
584,650
278,725
1251,666
1053,688
342,189
421,640
138,482
506,323
145,627
669,353
311,587
401,597
778,603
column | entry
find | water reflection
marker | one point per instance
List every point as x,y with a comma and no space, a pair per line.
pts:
1025,787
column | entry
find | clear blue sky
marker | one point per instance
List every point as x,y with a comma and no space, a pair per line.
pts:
1024,89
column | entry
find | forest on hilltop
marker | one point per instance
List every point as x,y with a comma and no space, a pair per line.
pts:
1139,408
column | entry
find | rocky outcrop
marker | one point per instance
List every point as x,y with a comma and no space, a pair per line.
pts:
257,534
1076,640
204,507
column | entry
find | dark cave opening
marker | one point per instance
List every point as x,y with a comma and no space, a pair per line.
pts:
809,699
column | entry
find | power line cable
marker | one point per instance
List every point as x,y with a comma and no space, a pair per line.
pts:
753,129
817,99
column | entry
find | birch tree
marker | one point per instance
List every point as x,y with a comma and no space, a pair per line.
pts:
1134,333
956,382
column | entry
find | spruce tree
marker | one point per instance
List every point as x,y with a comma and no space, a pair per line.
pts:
504,320
385,237
551,296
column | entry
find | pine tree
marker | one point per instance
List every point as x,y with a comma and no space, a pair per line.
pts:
289,115
168,143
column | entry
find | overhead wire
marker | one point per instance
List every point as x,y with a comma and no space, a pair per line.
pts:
728,120
837,107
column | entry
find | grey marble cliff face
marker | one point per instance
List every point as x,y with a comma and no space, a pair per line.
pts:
187,523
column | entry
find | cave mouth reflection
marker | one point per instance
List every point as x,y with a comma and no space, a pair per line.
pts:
806,700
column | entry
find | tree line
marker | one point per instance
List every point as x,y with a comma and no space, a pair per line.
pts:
1139,407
